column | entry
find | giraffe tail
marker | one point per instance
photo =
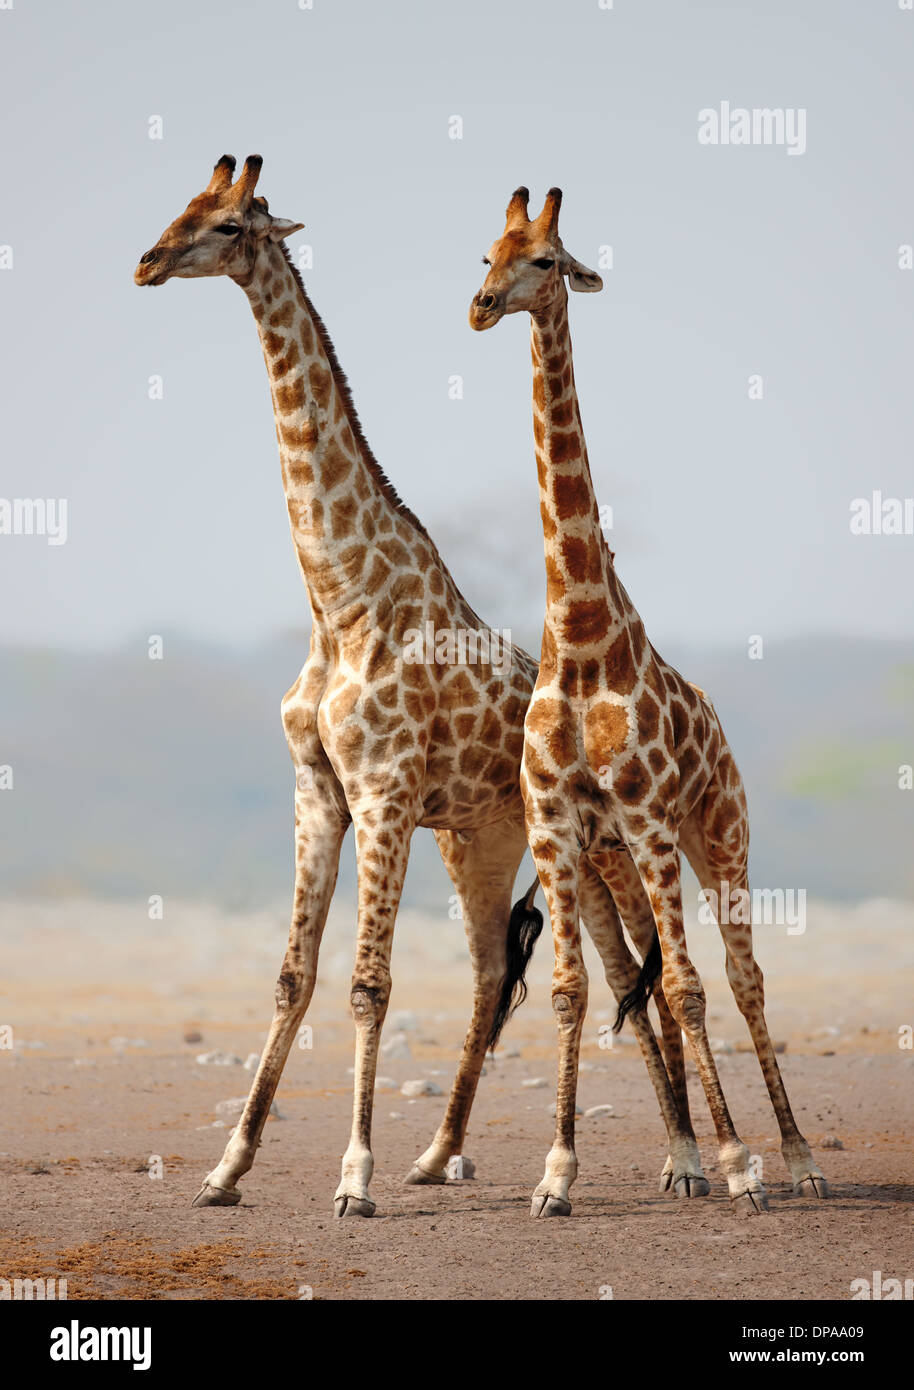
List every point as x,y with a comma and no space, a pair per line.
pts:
648,976
524,927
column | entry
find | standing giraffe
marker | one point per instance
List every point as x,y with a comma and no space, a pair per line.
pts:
620,753
377,740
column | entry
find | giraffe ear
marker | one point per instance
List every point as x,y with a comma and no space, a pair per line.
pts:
279,228
580,278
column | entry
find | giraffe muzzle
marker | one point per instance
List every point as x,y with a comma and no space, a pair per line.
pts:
485,310
153,268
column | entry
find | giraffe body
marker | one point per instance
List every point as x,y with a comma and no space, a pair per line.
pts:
625,763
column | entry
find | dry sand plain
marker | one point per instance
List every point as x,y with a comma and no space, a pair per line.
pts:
100,1082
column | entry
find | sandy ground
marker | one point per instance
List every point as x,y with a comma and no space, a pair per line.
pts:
100,1084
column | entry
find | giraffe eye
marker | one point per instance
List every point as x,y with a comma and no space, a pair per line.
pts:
544,263
486,261
228,228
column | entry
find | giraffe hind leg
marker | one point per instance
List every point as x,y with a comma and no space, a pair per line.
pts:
719,861
682,1173
483,873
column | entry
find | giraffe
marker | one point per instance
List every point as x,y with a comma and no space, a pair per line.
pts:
378,741
624,761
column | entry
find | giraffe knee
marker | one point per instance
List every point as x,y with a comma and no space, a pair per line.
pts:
369,1003
569,1006
686,1002
290,991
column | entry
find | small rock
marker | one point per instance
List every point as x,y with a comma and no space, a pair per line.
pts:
397,1115
413,1089
384,1083
252,1062
459,1168
719,1046
218,1059
831,1141
511,1052
780,1047
535,1083
237,1104
193,1036
404,1021
596,1112
396,1048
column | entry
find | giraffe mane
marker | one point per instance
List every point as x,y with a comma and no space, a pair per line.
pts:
339,376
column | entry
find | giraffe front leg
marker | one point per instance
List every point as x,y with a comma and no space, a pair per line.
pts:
382,850
319,831
483,873
559,877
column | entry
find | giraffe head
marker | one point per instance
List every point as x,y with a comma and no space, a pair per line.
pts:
219,232
527,264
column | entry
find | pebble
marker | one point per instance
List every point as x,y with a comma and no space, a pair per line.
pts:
252,1062
534,1083
404,1021
397,1115
237,1104
596,1112
218,1059
384,1083
396,1048
719,1047
420,1088
459,1168
831,1141
192,1036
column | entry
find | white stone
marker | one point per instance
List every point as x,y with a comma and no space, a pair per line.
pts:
218,1059
420,1088
597,1112
237,1104
459,1167
534,1083
253,1061
831,1141
396,1048
385,1083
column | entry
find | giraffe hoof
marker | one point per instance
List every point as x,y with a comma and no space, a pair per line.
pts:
750,1203
690,1185
211,1196
813,1185
421,1176
353,1206
545,1205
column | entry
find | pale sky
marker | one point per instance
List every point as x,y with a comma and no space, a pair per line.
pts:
731,514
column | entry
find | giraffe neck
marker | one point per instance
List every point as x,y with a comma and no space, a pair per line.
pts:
585,610
338,498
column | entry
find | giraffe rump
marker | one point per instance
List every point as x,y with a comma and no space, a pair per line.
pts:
524,927
637,998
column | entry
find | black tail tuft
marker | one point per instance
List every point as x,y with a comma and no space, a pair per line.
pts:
647,977
524,927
